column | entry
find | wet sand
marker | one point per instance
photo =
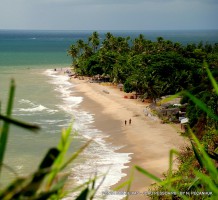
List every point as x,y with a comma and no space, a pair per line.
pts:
147,139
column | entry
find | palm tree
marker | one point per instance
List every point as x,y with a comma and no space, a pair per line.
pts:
95,41
109,42
139,44
73,52
160,44
160,39
87,51
122,45
80,45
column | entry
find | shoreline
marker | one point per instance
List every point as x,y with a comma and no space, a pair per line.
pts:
146,140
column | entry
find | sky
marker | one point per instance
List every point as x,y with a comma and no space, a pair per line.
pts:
108,14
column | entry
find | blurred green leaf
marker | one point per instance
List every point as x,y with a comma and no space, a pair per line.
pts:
201,105
172,152
75,155
25,125
63,146
212,79
84,194
171,97
37,179
197,156
146,173
122,185
5,128
208,182
193,183
206,160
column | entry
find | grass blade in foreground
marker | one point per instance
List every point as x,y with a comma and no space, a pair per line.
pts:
212,79
172,152
171,97
5,128
146,173
206,160
210,185
31,127
201,105
33,186
63,146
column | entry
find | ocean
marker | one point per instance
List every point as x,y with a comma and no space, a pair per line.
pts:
47,98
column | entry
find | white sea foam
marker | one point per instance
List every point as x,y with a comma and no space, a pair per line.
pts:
34,107
63,90
57,79
25,101
22,114
50,121
73,101
100,157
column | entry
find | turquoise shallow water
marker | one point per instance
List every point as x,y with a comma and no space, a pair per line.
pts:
48,99
35,102
41,48
24,56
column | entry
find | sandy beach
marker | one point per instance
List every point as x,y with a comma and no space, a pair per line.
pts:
148,141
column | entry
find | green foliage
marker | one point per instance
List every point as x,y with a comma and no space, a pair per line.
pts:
5,128
197,175
153,69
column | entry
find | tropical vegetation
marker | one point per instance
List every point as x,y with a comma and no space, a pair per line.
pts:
158,68
151,69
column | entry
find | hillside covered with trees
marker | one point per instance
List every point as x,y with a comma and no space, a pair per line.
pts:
151,68
154,69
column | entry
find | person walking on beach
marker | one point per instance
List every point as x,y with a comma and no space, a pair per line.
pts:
130,121
125,122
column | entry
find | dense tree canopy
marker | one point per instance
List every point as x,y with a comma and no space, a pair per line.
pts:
150,68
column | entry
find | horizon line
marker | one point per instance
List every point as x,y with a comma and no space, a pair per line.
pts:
103,30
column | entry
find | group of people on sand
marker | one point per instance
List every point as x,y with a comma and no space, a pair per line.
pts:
130,121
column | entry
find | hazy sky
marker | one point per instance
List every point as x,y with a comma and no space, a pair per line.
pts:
108,14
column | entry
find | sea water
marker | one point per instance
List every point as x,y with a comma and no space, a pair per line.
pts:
47,98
